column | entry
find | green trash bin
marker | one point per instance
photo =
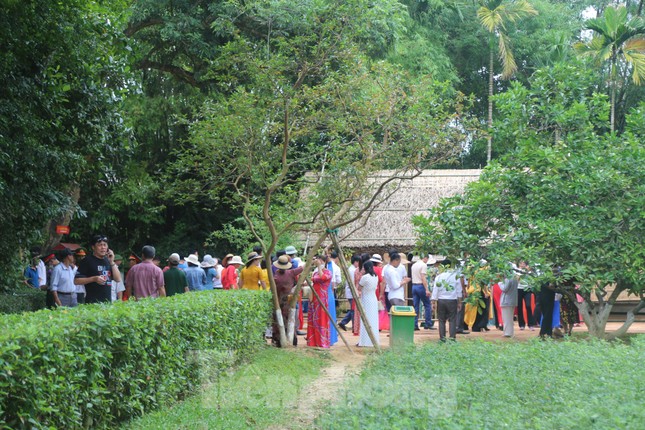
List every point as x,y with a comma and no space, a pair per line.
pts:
401,325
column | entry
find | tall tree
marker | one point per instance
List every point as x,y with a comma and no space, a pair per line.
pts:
570,204
617,38
63,72
493,16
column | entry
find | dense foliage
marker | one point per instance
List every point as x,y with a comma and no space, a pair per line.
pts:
106,121
60,123
96,365
566,199
565,385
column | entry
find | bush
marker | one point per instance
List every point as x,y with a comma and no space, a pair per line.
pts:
96,365
22,299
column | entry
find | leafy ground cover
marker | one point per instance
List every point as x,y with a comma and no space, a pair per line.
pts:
535,384
260,393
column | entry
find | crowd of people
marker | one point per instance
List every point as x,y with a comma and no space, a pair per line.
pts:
436,288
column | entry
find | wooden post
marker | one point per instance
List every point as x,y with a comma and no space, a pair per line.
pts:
350,282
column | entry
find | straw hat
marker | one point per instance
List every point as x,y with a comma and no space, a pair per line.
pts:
253,256
282,263
236,260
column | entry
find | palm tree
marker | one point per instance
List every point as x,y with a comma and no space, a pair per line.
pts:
616,37
493,16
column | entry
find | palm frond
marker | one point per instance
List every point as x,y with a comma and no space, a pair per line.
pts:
506,56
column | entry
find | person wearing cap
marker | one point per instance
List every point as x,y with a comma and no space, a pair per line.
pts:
285,278
79,255
174,278
194,274
146,278
97,271
118,287
421,292
293,255
208,266
395,280
251,274
62,283
230,279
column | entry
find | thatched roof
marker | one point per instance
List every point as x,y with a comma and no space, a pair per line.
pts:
389,224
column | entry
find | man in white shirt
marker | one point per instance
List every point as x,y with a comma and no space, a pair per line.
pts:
447,292
395,280
421,293
62,282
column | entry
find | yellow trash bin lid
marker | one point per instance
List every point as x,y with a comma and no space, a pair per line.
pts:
407,311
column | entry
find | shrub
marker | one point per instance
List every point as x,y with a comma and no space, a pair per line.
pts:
96,365
22,299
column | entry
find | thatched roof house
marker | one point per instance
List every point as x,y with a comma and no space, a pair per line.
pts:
389,224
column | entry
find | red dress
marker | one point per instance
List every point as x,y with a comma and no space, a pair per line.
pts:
317,319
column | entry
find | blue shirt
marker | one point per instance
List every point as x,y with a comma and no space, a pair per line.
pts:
196,278
31,275
210,274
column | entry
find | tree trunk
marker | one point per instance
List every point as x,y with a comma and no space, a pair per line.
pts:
276,305
54,238
629,320
489,148
596,313
612,83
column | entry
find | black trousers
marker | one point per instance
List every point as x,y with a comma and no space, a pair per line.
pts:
447,311
524,297
547,301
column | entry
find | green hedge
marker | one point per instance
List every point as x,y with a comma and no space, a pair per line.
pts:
97,365
22,299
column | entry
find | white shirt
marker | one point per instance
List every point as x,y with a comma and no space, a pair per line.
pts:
447,286
63,279
336,276
393,277
42,273
217,282
348,291
117,287
419,270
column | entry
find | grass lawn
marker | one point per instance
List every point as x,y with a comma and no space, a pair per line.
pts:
254,395
478,384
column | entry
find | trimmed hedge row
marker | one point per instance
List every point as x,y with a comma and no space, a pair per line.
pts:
22,299
97,365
